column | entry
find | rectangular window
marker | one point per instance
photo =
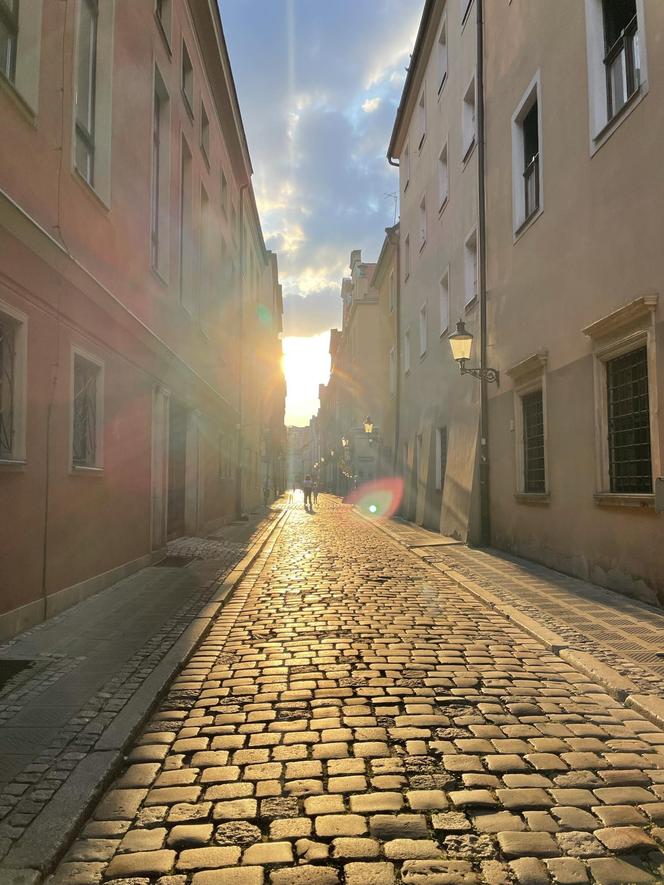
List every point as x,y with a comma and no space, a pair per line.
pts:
186,232
630,464
8,38
160,177
444,302
405,162
86,413
421,120
392,293
470,262
13,366
224,194
442,57
423,330
526,157
443,178
441,457
205,134
187,81
534,478
468,120
393,372
531,161
406,351
423,222
465,9
205,262
163,12
86,86
621,48
406,257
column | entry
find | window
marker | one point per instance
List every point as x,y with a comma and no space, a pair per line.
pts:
86,412
8,38
621,60
406,351
470,267
86,85
442,57
526,158
423,222
441,457
205,134
443,178
392,293
630,465
13,366
534,477
445,302
205,262
405,162
163,12
423,330
187,295
468,120
393,372
160,178
406,257
421,120
187,81
224,193
465,9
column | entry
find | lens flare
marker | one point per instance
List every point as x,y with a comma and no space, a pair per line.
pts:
378,499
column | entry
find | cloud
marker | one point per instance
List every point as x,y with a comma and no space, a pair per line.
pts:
371,105
313,313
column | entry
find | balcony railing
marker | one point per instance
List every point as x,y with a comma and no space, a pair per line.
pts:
622,64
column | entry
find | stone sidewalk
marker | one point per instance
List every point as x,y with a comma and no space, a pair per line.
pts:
89,678
355,716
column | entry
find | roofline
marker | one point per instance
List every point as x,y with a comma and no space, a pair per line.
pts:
410,76
387,242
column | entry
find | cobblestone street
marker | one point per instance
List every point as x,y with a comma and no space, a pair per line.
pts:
354,716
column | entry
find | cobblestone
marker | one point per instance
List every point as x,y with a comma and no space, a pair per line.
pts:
354,716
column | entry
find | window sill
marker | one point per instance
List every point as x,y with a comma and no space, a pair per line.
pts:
15,96
12,465
527,224
532,497
162,279
615,499
601,137
77,470
90,190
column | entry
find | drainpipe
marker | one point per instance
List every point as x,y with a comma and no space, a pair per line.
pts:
485,504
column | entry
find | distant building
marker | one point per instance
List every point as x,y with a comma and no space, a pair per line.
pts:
132,259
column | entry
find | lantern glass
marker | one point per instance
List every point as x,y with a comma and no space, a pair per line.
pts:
461,343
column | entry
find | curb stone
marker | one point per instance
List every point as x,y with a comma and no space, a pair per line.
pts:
613,682
34,855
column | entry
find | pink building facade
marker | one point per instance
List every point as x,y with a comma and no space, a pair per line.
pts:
125,191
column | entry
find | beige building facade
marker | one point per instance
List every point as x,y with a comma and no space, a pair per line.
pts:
574,97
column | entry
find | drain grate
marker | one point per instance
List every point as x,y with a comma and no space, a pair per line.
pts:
174,561
11,668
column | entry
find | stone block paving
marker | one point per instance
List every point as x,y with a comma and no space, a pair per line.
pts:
355,717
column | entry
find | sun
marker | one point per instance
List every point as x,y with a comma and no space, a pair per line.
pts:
306,363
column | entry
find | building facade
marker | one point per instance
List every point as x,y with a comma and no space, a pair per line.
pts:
575,268
434,142
125,188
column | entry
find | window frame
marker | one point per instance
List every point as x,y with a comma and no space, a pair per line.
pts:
465,10
529,376
184,71
443,177
406,351
423,318
406,165
10,20
164,21
16,453
84,132
407,257
422,216
205,135
160,178
468,144
520,221
421,118
392,372
441,288
94,360
442,56
471,238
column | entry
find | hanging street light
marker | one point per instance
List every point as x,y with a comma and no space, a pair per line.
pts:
462,344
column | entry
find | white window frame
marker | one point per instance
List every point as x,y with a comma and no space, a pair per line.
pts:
187,231
444,300
423,221
601,128
103,99
421,119
529,376
161,178
627,328
95,360
164,21
469,120
25,85
424,330
405,162
442,56
465,10
532,94
470,267
406,351
187,99
17,454
406,258
443,177
205,135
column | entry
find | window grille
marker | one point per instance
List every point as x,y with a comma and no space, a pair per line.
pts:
7,386
621,60
630,465
86,87
8,38
534,479
84,443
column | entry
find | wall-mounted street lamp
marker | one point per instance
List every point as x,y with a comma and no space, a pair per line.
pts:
368,425
345,442
462,343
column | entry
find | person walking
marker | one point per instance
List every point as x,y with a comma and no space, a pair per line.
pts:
307,487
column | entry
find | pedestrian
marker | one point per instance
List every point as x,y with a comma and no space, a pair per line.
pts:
315,490
307,487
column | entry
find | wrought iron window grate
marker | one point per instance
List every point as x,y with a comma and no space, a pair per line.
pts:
86,376
630,465
534,478
7,386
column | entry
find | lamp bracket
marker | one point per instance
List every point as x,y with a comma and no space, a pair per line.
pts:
488,375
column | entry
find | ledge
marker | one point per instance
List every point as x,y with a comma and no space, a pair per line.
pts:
12,465
532,498
637,309
613,499
535,363
86,471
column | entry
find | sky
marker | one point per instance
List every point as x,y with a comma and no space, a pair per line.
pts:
319,82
